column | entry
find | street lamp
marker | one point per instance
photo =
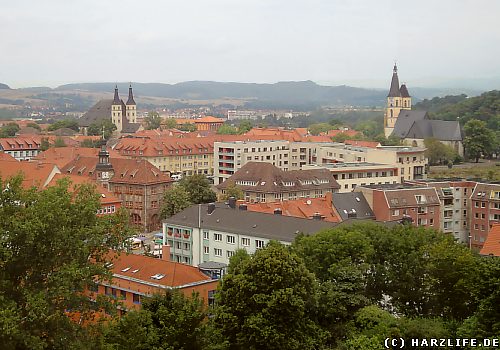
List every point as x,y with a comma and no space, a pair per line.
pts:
470,242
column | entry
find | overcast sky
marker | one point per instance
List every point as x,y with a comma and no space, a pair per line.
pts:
349,42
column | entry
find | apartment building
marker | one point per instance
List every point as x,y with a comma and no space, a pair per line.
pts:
138,276
351,175
213,232
417,204
410,161
485,212
264,182
492,245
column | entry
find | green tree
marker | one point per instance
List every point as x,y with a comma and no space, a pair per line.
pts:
44,144
438,153
226,129
34,125
245,126
175,199
88,143
59,142
170,123
153,121
190,127
318,128
52,247
267,302
66,123
199,189
233,191
479,140
9,130
96,128
166,321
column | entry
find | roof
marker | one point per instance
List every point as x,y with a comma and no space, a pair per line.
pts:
34,173
404,91
6,157
485,191
270,179
405,120
143,268
100,111
63,155
369,144
401,196
130,100
492,244
352,205
128,171
20,143
64,132
107,197
394,89
244,222
304,208
208,119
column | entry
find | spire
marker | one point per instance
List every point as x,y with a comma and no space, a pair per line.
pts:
116,99
130,100
394,90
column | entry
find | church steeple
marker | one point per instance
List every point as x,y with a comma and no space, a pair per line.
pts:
130,100
394,90
116,99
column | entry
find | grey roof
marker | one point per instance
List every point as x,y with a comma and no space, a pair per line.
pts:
130,100
100,111
352,205
394,90
442,130
270,226
405,121
404,91
116,98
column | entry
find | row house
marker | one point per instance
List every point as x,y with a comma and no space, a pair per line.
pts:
214,232
138,184
264,182
416,204
21,148
351,175
135,277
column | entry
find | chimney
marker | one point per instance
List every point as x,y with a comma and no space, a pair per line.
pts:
232,202
165,252
317,216
210,208
277,211
243,207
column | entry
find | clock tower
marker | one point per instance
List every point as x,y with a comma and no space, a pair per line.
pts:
104,169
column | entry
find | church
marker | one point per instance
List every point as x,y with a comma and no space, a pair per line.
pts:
123,115
415,126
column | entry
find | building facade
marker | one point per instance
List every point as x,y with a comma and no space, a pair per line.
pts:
21,147
485,212
398,99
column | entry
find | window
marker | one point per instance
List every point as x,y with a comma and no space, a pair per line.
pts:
206,235
483,204
230,253
259,244
230,239
476,204
218,237
217,252
123,294
206,250
136,298
245,242
395,212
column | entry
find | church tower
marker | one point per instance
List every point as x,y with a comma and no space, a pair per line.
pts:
117,111
397,99
103,168
131,107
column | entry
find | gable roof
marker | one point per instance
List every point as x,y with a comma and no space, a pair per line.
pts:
244,222
270,179
405,121
61,156
100,111
352,205
35,174
417,125
492,244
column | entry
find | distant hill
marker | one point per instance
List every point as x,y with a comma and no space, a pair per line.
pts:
4,86
300,94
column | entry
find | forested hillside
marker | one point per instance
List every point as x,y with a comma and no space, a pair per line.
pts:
485,107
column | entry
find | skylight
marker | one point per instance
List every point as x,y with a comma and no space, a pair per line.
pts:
158,276
126,269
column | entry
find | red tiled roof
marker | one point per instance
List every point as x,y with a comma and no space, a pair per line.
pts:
35,173
61,156
492,244
369,144
175,274
301,208
6,156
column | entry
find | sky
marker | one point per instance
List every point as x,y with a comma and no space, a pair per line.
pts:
352,42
